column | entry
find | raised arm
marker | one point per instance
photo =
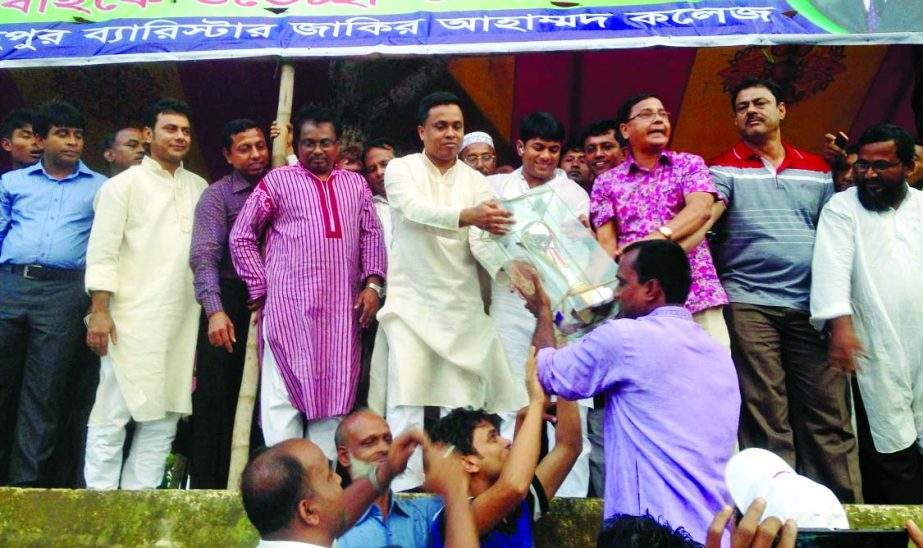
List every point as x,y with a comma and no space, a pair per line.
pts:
446,478
362,492
245,238
568,443
511,488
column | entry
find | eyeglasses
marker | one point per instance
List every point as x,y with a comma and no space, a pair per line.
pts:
325,144
475,158
862,166
647,115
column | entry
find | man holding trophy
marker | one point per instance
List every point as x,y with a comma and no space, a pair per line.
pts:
540,142
435,346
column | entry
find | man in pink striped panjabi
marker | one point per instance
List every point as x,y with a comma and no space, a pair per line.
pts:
321,279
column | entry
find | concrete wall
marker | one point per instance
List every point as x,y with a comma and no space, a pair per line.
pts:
163,518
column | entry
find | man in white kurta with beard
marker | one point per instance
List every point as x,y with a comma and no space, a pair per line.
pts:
436,346
541,138
144,316
868,263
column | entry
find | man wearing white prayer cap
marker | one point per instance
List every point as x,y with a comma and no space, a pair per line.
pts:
478,151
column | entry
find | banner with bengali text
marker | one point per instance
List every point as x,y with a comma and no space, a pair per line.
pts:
77,32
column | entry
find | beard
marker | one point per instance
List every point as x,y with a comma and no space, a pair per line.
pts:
359,469
882,200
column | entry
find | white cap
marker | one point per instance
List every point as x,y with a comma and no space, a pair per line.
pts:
756,473
477,137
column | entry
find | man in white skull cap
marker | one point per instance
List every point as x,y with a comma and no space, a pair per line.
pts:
478,151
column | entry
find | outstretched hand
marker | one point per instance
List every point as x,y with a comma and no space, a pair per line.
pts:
537,300
402,448
487,216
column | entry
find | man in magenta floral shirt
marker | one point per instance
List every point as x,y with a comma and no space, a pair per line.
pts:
660,194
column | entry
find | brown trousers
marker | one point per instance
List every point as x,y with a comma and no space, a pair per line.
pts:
793,404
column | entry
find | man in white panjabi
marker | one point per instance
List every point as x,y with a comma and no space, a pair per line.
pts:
540,142
144,317
868,263
436,346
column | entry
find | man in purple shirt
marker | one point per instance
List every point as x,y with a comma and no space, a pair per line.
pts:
223,328
672,396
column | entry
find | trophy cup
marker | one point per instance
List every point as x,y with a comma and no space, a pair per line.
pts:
577,274
542,245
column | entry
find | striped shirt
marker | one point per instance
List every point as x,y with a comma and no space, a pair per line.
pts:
767,234
323,239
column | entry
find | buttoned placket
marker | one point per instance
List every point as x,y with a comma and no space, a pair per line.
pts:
53,212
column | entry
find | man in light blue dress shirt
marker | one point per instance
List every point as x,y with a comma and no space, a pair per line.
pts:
363,440
46,211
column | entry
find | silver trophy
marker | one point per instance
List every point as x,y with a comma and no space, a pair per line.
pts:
577,274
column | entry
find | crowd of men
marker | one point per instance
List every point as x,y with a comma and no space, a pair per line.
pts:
750,289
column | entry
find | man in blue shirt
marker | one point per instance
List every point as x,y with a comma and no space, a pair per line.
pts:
363,440
46,211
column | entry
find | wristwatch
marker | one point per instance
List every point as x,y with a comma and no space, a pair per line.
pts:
377,289
666,231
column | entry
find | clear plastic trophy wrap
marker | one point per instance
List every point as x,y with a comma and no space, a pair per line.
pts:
577,274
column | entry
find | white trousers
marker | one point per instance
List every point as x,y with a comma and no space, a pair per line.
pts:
150,444
712,321
577,482
283,421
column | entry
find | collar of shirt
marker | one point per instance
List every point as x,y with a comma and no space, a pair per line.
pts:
434,171
238,183
792,155
80,169
395,505
631,166
500,181
670,311
330,177
153,165
380,199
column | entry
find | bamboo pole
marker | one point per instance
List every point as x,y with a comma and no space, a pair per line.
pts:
246,401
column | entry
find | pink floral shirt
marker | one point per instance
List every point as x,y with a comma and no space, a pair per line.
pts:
641,201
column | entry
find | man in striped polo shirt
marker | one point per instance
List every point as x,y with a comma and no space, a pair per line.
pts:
793,403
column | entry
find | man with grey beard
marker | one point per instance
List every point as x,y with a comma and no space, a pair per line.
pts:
868,261
363,440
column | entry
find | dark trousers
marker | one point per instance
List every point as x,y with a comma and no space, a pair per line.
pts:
793,403
217,388
887,478
71,447
41,333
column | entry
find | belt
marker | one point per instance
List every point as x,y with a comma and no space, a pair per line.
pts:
44,273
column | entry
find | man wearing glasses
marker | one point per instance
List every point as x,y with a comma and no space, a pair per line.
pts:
868,261
478,151
660,194
793,404
324,268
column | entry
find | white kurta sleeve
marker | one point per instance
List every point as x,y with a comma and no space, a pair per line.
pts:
406,195
111,213
831,270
